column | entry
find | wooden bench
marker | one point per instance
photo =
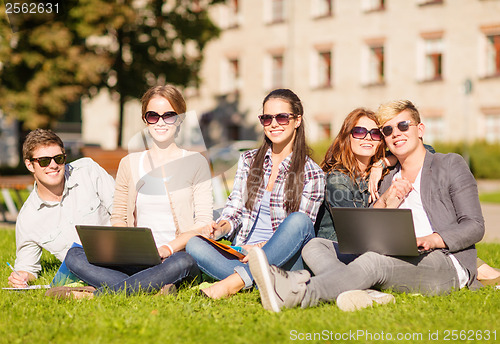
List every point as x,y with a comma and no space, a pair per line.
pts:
108,159
9,185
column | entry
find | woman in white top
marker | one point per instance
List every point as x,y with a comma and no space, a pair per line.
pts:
165,188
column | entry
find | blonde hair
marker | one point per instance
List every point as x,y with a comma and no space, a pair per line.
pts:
389,110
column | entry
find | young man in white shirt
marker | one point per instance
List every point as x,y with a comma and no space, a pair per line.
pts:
442,193
80,192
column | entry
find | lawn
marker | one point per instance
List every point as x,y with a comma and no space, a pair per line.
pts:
29,317
490,197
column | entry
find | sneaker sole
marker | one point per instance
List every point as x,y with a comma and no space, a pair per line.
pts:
353,300
259,267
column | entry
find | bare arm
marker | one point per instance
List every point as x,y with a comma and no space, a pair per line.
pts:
213,231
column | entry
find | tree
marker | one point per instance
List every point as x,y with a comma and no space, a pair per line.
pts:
45,65
164,42
125,45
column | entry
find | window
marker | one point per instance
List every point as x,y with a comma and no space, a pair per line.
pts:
493,125
429,2
277,11
231,76
373,67
433,59
321,8
234,17
325,130
434,129
430,56
321,71
277,71
377,65
373,5
493,55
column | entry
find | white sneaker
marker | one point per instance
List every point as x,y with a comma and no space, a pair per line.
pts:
278,288
353,300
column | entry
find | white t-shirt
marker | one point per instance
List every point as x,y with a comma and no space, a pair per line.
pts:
422,224
153,204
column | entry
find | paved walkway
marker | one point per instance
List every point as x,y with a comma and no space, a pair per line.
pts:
491,214
491,211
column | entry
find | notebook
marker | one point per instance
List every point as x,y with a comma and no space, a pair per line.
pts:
385,231
118,246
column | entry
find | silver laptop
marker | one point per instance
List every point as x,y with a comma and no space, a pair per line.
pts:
118,246
385,231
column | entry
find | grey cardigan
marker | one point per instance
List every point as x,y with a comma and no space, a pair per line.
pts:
450,200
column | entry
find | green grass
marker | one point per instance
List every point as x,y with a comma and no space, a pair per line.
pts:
29,317
491,197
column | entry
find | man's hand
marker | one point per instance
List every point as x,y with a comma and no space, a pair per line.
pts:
20,279
430,242
395,195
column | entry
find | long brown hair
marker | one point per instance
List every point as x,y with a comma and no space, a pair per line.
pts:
340,157
294,184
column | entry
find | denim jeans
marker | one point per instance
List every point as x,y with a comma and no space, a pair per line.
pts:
283,249
132,279
430,274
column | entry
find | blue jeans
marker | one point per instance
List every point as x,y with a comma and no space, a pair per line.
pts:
132,279
430,274
283,250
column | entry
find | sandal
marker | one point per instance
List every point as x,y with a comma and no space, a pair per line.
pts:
71,292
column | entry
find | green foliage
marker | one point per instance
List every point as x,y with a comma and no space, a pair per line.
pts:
484,157
492,197
190,318
45,66
319,149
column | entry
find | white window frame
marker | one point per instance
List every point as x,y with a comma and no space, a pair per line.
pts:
370,65
321,8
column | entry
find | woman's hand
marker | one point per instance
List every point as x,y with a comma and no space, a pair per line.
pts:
248,248
206,230
164,251
375,175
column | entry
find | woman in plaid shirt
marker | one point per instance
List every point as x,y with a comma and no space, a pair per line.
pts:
277,192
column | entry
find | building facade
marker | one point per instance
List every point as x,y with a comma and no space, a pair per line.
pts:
341,54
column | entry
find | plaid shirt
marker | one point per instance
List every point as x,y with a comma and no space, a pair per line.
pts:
237,214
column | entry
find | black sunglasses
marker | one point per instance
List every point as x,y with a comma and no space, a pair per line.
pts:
361,132
281,119
44,161
169,117
402,126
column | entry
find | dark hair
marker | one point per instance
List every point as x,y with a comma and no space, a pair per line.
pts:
340,156
40,138
170,93
294,183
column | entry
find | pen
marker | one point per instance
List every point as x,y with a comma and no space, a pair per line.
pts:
10,266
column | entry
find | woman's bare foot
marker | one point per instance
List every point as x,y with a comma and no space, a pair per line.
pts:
227,287
78,295
486,272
